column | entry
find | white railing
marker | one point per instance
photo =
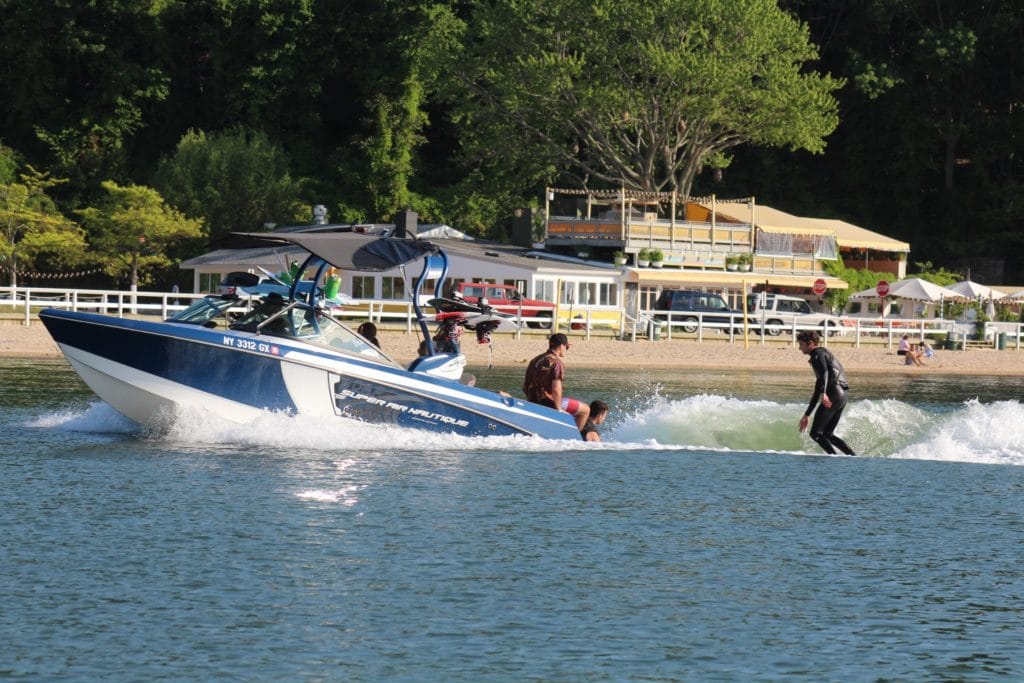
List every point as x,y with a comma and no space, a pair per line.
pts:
852,329
650,323
27,300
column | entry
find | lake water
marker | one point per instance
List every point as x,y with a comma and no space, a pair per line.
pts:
704,539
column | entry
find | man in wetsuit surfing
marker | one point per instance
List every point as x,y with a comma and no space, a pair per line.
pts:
830,390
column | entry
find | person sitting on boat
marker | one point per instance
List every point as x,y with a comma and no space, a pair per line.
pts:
598,412
543,381
368,331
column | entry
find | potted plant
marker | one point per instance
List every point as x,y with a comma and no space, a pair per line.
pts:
619,257
643,258
657,258
744,261
732,262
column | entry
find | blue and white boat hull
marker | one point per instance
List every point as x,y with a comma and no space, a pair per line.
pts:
148,370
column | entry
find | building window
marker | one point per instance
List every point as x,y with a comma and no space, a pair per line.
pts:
362,287
607,294
648,295
568,293
588,294
544,290
392,288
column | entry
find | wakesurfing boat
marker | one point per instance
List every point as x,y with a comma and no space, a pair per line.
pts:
287,354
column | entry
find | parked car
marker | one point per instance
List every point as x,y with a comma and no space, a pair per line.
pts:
691,308
507,299
773,313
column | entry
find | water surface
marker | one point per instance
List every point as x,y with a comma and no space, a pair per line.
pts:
704,539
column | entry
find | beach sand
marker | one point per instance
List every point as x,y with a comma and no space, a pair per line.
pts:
18,341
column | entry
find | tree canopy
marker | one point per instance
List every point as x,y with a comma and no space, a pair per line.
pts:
233,180
133,229
33,230
904,116
631,92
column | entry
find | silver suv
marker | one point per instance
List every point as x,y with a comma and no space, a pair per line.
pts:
774,313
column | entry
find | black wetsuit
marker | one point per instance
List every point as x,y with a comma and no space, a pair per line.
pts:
830,381
587,428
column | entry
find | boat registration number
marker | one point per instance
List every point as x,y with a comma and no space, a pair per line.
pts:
252,345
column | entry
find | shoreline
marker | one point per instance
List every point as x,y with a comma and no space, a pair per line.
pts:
34,342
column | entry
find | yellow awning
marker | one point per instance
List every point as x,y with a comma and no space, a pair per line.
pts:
666,276
773,220
856,237
796,230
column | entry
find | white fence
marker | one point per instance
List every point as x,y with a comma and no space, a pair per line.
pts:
668,324
852,330
27,300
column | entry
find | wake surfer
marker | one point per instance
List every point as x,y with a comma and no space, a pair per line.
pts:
829,395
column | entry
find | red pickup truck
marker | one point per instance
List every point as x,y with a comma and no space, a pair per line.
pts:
507,299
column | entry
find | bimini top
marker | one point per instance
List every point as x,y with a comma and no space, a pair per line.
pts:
345,250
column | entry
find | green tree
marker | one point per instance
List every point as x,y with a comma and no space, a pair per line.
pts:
929,148
236,180
132,230
255,63
78,79
858,280
33,229
9,163
940,276
390,152
630,92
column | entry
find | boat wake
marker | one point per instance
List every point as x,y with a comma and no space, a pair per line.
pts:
99,418
988,433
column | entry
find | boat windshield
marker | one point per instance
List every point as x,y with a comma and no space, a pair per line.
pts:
203,311
275,317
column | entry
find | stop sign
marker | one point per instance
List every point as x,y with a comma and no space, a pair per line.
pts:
819,286
882,288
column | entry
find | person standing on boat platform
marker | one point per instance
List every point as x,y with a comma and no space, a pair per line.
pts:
830,389
543,382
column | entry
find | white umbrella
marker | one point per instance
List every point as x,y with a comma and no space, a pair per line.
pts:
975,290
916,289
1016,297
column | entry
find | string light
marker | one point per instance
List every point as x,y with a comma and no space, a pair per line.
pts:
643,194
58,276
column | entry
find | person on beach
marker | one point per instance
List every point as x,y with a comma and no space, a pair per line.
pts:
829,395
904,346
914,355
543,381
598,412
